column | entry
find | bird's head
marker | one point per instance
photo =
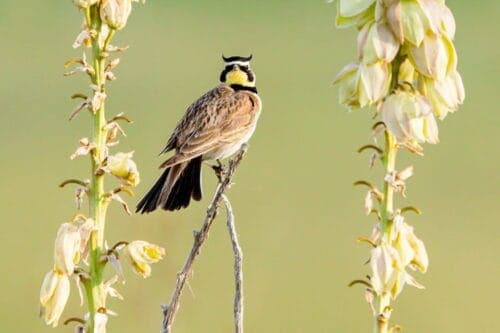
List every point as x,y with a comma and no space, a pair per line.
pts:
237,71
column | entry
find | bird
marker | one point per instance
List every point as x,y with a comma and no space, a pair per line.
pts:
214,127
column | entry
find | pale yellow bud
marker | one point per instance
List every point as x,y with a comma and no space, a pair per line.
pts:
348,82
409,21
54,294
67,248
440,17
446,95
435,57
376,235
100,321
348,8
406,72
377,42
447,23
374,81
84,3
386,269
354,13
122,166
361,84
403,279
142,254
409,117
410,248
116,12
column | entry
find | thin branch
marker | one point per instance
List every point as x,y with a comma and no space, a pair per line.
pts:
170,310
238,267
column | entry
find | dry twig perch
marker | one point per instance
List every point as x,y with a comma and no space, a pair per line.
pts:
170,310
238,267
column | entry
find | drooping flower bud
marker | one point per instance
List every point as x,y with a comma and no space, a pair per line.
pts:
404,278
435,57
84,3
376,235
376,42
409,117
354,13
447,22
374,81
100,321
410,248
409,21
386,268
142,254
349,8
440,17
347,81
85,227
446,95
361,84
54,294
122,166
67,248
116,12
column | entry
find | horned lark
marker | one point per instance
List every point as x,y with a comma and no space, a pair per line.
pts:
214,127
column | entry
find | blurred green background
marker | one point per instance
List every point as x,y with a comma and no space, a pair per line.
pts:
296,211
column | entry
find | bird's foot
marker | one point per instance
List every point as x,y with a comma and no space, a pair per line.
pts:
220,170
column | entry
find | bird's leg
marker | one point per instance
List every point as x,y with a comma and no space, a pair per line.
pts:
220,170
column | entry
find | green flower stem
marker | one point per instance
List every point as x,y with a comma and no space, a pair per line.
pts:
387,208
94,289
382,303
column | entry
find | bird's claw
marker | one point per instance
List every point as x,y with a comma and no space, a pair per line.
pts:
220,170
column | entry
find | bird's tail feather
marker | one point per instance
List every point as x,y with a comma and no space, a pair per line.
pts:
174,189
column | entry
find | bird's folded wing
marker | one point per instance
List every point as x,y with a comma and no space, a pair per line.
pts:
217,122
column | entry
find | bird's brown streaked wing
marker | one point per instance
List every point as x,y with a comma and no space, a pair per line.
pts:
190,122
229,120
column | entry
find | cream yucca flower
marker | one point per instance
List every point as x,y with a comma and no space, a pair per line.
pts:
446,95
84,3
386,268
122,166
435,57
361,84
100,321
349,8
411,249
377,42
348,82
54,294
409,20
142,254
357,12
116,12
409,117
67,248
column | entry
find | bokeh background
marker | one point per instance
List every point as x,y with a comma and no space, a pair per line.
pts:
296,211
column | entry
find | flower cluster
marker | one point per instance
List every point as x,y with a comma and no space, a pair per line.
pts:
81,251
71,252
406,71
412,40
389,262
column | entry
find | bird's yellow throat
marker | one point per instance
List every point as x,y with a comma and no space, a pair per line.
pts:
237,76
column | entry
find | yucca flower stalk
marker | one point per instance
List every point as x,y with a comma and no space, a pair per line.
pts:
81,249
406,72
